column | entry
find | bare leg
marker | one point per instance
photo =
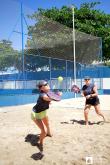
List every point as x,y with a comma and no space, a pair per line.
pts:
39,123
98,111
86,111
46,123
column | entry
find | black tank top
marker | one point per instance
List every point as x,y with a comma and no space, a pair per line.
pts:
88,89
41,105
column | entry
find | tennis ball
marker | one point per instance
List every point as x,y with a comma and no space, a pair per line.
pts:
60,79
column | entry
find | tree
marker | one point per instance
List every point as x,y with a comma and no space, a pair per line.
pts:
87,19
8,56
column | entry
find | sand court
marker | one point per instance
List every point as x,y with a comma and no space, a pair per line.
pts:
72,143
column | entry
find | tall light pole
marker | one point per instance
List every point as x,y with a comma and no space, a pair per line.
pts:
22,35
74,52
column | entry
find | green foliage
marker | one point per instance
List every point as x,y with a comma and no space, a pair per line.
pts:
87,19
8,56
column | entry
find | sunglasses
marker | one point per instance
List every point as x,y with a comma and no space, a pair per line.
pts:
87,79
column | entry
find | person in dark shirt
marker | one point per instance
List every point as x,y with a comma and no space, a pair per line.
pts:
89,91
39,112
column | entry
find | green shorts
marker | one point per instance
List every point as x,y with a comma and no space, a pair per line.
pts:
39,115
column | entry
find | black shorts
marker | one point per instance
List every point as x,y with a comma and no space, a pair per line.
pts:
93,101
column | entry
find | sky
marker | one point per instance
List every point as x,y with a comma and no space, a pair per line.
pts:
10,23
104,6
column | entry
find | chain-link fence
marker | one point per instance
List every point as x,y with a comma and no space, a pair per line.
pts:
34,47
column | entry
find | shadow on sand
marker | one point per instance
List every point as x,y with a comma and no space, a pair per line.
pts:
33,140
82,122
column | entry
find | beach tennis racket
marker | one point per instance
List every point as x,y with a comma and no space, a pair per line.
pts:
54,96
75,89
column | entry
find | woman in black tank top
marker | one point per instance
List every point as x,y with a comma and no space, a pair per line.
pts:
39,113
89,91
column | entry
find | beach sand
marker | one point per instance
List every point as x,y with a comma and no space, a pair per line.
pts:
73,143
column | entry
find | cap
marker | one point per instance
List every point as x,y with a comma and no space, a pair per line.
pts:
87,78
42,83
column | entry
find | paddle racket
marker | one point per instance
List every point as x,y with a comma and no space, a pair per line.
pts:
54,96
75,89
